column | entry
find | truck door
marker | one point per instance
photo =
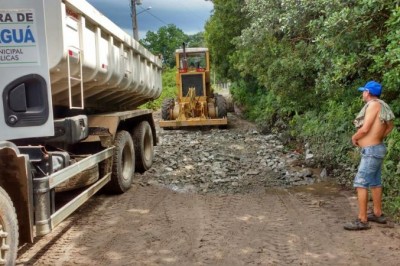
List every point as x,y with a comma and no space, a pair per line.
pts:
25,97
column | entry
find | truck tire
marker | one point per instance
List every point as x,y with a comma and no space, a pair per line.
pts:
220,102
167,105
8,230
144,147
123,167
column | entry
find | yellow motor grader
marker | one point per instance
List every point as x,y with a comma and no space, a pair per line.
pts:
195,104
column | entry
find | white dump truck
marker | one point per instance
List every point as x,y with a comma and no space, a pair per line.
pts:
71,82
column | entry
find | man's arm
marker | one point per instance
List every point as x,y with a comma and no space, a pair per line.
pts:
369,118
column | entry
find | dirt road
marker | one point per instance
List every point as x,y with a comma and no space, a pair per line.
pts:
153,224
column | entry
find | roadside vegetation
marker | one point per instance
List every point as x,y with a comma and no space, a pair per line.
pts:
168,91
295,67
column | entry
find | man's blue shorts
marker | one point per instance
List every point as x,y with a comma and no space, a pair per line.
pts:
370,168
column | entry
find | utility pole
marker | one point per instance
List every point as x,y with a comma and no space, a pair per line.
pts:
134,18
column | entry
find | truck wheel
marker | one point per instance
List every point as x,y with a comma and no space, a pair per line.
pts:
123,166
167,106
8,230
221,105
144,148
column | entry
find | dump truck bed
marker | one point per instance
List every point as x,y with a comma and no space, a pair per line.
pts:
95,63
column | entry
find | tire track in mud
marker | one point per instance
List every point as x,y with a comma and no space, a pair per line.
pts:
157,226
186,223
130,218
254,233
30,254
181,224
277,243
307,229
345,247
214,239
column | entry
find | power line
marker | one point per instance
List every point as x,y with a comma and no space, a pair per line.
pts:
154,16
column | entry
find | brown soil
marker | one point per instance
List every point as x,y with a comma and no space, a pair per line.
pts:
154,225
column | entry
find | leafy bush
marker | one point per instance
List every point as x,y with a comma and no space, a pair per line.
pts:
328,132
391,175
168,90
301,61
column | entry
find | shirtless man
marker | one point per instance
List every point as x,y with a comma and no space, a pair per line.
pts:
374,123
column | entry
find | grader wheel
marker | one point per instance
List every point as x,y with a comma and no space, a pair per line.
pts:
221,106
167,105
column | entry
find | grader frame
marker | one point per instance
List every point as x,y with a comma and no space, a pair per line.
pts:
195,104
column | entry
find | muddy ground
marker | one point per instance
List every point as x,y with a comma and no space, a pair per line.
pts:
234,207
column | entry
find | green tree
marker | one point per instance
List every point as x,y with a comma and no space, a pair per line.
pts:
196,40
165,41
226,23
276,50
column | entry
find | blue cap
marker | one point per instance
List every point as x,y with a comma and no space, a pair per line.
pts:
373,87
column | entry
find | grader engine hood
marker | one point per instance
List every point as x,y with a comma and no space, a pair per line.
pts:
193,80
25,102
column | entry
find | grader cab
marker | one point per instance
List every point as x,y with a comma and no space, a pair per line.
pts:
196,104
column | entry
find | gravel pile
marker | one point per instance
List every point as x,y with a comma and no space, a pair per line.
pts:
230,160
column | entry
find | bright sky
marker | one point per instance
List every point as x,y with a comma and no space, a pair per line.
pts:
188,15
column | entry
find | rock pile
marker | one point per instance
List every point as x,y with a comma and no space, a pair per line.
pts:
224,161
